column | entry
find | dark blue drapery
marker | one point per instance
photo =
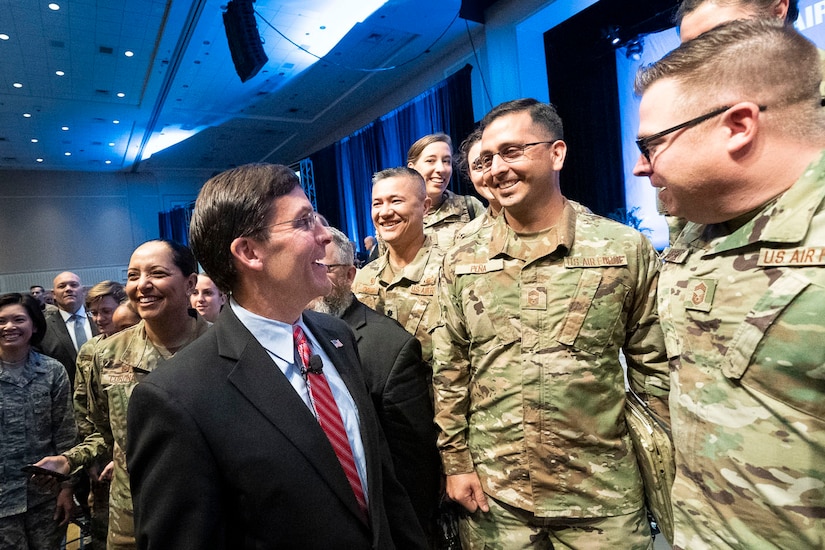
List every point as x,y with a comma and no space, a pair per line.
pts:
344,170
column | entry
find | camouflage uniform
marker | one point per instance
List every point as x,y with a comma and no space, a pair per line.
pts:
529,388
115,366
477,224
408,296
35,421
98,490
442,223
742,310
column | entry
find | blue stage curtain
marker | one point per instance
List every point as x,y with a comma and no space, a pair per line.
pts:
174,224
345,198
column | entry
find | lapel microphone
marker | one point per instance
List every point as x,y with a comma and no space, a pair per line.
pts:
316,365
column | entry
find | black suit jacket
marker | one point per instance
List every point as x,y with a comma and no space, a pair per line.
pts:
398,381
223,453
58,344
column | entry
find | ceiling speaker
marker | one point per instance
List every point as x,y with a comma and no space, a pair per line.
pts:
244,41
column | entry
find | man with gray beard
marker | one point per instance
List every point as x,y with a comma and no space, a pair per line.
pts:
396,378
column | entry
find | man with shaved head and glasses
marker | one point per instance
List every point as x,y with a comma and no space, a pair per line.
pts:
742,289
529,390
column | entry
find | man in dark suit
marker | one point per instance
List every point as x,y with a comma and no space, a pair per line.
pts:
396,377
68,327
230,441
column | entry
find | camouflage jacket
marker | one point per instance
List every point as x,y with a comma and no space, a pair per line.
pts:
410,297
80,400
528,384
115,365
475,225
442,224
743,311
36,420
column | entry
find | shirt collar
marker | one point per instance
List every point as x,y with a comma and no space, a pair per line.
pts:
81,311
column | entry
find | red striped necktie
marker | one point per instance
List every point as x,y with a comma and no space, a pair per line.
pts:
329,417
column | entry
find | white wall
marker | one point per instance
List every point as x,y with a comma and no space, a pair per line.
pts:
86,222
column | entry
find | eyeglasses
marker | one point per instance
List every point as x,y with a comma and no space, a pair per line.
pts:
476,165
508,154
330,267
304,223
644,143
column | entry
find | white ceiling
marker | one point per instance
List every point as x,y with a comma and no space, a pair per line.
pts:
181,78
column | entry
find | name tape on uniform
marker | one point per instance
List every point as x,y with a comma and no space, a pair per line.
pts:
595,261
486,267
811,255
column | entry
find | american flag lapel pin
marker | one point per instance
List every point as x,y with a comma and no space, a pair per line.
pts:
337,343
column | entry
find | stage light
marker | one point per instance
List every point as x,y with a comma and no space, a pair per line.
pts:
611,35
634,49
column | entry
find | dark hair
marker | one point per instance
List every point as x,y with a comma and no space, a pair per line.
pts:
182,256
464,151
235,203
543,114
32,307
403,172
688,6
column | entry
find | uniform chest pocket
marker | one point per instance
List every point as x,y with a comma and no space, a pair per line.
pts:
777,349
41,405
593,312
490,313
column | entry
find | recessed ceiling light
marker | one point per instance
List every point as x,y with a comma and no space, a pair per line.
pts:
108,162
115,122
39,160
128,53
59,73
17,85
64,128
111,144
27,115
34,140
121,94
54,7
68,154
4,36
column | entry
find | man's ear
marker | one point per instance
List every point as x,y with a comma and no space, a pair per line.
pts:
559,151
742,123
351,271
428,202
245,251
780,9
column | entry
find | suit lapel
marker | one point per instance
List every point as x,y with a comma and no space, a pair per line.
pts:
260,381
60,329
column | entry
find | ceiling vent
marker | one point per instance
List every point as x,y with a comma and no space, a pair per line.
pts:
57,44
107,50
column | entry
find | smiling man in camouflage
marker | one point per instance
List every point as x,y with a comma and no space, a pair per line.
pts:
529,390
732,131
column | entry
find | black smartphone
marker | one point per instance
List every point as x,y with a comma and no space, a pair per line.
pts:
37,470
